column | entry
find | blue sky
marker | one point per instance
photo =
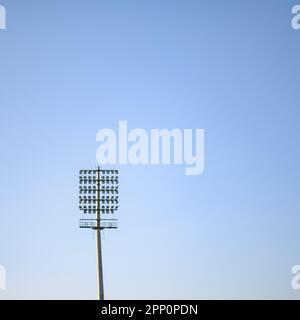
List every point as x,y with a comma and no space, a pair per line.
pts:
70,68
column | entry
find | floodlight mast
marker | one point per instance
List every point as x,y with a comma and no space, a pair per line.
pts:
100,182
98,237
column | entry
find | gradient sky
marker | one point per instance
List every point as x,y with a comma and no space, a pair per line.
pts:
70,68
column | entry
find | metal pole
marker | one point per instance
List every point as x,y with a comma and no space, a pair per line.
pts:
98,239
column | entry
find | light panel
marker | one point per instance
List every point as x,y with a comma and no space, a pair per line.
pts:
104,224
98,191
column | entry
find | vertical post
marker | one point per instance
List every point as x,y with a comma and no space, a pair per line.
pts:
98,239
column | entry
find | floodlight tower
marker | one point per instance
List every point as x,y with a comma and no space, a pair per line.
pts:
98,194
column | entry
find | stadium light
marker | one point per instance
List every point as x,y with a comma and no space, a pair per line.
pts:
98,195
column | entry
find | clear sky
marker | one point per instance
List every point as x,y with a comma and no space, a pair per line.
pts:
70,68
